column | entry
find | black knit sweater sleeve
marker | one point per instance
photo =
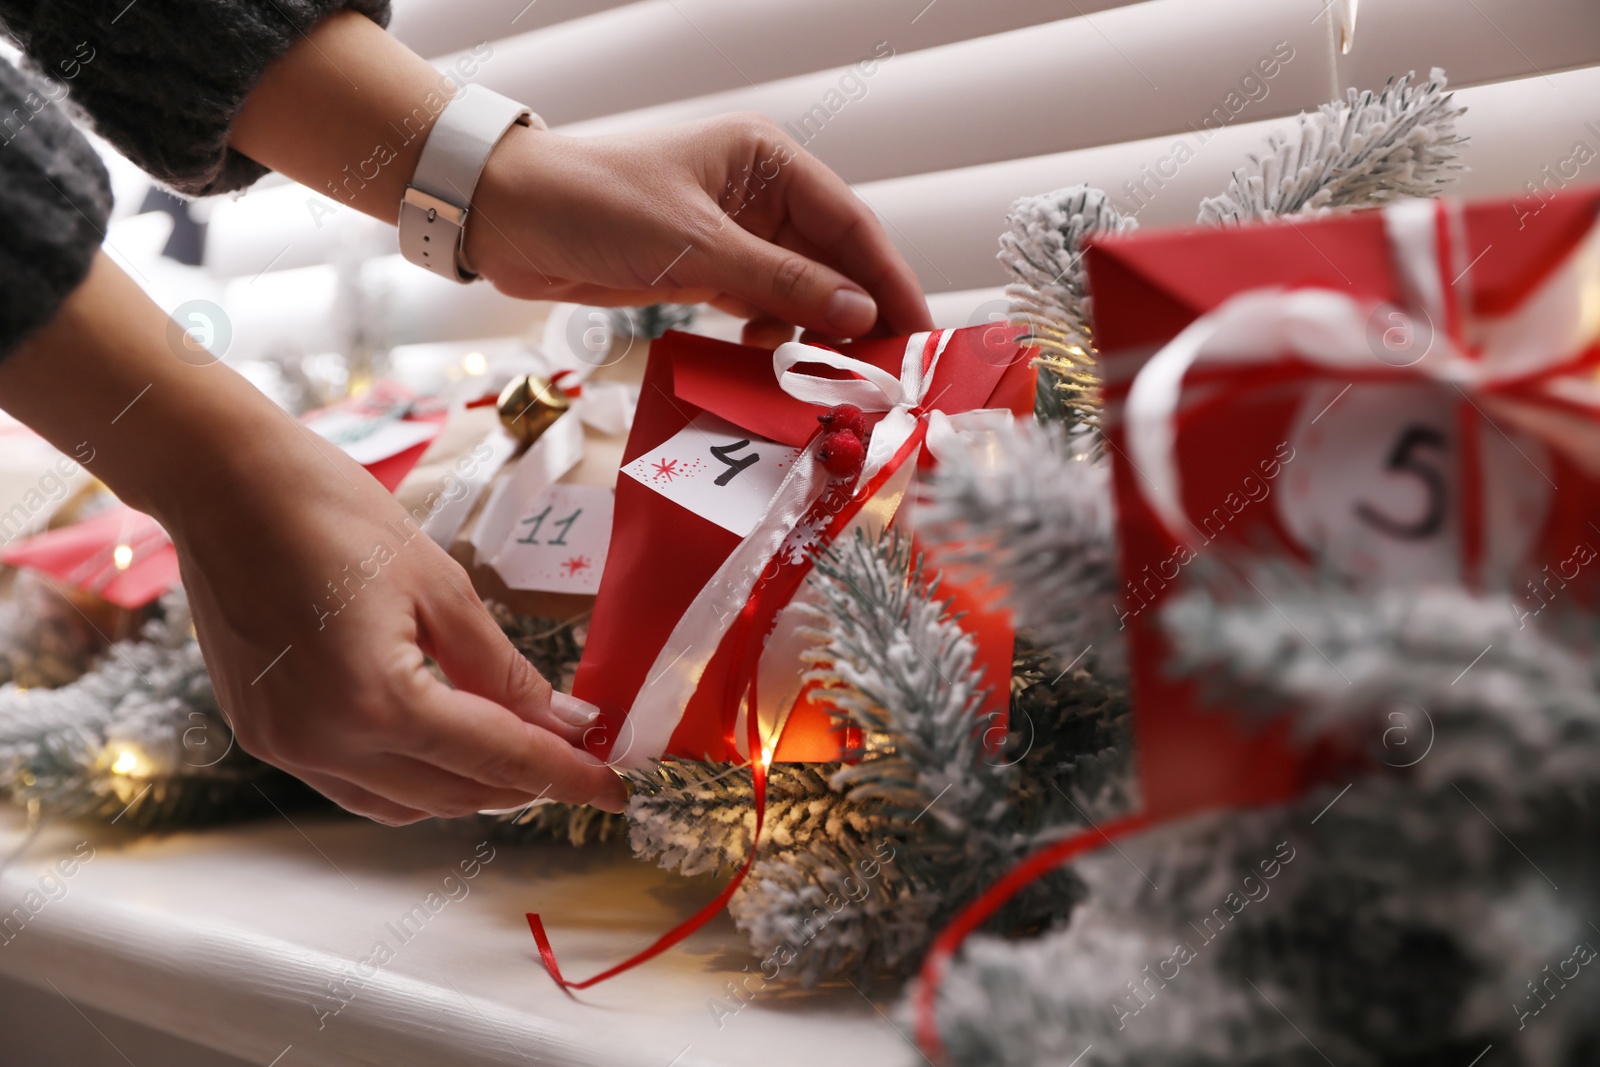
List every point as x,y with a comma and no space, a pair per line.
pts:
54,196
163,79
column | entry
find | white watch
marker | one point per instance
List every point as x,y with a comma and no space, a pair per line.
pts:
433,212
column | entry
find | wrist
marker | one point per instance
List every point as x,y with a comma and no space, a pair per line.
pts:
102,383
502,195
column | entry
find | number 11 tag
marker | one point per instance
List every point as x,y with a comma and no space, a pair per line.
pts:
559,543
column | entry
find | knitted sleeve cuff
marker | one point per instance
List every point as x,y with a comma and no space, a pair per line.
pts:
163,79
54,197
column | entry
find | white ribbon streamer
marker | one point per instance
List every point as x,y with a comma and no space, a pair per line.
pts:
676,672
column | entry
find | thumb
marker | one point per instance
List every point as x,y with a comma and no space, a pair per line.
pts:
478,658
790,286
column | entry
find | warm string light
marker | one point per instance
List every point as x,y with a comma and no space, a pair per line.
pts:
122,556
127,762
475,363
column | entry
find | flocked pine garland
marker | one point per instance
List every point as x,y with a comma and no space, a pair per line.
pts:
1423,923
863,861
138,740
1423,914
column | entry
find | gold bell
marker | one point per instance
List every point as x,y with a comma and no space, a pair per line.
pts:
530,405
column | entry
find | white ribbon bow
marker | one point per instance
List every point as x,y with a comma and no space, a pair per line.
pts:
873,389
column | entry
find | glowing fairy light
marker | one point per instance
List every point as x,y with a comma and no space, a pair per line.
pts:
126,763
475,363
121,556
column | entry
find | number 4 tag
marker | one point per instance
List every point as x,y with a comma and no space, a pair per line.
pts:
717,471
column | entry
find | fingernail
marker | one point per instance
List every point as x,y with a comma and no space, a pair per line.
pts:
850,312
572,711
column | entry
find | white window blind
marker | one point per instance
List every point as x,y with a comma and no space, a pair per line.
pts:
970,104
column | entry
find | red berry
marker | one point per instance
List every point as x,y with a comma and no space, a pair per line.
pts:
845,417
842,453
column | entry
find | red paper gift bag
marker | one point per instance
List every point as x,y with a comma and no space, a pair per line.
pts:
713,436
1394,396
1408,395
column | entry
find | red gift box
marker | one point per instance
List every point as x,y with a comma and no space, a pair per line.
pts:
1394,395
711,415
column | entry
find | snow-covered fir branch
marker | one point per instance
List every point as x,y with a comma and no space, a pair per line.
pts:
860,864
1031,512
1360,152
140,736
1042,247
1506,705
1411,914
576,824
897,666
1366,927
45,639
696,818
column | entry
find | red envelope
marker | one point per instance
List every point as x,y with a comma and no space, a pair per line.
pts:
1147,288
662,554
84,554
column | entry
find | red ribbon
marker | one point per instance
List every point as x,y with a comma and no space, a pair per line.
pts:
990,901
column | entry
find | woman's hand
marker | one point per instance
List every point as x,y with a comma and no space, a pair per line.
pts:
729,210
315,595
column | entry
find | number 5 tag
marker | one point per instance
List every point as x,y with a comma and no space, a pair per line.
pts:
1374,488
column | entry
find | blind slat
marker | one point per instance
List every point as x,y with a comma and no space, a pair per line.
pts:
656,51
1476,42
1157,67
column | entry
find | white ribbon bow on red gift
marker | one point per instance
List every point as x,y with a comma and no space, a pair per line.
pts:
1533,368
789,528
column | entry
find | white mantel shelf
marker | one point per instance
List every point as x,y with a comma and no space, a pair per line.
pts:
230,938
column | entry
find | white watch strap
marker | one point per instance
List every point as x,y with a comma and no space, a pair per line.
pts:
433,212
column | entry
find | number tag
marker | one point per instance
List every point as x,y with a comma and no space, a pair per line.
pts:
559,543
717,471
1373,490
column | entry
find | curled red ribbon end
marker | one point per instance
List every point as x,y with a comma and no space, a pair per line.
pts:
740,634
990,901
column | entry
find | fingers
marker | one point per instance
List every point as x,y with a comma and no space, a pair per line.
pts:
827,214
428,792
786,284
477,657
358,801
470,736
